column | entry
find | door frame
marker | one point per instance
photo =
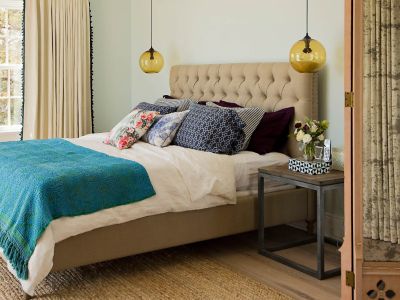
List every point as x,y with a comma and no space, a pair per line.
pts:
358,51
352,250
347,247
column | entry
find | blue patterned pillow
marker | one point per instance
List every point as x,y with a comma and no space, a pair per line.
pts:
163,131
251,116
211,129
163,110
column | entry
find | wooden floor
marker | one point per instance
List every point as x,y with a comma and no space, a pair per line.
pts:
239,252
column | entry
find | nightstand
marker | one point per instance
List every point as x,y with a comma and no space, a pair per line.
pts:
320,184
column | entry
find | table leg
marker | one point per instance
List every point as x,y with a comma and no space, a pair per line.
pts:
260,212
320,232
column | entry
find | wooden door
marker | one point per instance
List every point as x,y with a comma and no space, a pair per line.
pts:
360,279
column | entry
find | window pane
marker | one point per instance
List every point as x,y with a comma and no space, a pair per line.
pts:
16,83
16,109
3,83
2,50
15,47
3,112
3,18
15,19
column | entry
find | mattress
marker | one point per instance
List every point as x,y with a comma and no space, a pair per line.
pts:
246,165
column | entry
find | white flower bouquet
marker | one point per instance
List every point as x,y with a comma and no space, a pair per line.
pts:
309,134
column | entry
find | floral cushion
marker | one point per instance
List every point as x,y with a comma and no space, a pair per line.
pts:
131,128
163,132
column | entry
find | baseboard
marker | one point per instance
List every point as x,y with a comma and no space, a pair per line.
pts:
334,226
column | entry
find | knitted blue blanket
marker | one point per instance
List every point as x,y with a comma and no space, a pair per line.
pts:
41,181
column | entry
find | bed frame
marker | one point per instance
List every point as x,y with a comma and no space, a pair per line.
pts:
272,86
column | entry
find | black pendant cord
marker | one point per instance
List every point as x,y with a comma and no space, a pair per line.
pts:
306,17
151,31
307,38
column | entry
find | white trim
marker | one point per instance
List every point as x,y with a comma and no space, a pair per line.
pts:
10,129
12,4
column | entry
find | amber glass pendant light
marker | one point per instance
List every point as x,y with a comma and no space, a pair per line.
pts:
307,55
151,61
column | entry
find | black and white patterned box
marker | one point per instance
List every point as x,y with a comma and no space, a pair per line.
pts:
315,167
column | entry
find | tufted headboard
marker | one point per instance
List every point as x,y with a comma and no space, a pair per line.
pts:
271,86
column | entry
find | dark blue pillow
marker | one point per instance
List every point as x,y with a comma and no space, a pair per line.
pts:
163,110
211,129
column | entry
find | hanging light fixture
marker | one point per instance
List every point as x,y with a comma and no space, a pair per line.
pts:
307,55
151,61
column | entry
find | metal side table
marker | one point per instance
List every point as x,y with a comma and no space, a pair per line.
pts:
319,183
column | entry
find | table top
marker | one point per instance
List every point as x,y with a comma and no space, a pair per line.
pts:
333,177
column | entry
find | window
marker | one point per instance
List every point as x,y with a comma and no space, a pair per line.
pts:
11,14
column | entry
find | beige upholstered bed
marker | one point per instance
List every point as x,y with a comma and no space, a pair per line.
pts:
272,86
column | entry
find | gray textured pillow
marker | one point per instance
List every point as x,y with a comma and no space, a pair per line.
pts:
251,116
163,110
180,104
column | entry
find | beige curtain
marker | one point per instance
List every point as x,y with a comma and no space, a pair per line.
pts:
381,155
57,69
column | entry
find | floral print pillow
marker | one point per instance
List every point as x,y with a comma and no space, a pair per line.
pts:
131,128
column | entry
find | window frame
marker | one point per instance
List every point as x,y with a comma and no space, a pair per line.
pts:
9,128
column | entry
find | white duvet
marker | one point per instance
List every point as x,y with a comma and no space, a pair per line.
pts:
184,179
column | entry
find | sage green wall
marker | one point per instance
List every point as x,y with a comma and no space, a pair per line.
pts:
210,31
112,61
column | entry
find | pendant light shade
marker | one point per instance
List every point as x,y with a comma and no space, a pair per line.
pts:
151,61
307,55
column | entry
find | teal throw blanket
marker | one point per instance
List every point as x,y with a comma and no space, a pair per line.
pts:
41,181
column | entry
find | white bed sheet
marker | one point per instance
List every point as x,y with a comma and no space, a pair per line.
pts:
247,164
184,179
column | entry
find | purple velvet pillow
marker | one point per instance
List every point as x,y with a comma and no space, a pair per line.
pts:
272,133
168,97
227,104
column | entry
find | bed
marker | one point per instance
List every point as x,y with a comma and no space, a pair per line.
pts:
271,86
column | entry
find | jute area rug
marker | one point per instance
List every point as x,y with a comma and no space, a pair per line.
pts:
179,273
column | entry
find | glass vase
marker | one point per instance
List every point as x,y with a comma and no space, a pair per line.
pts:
308,151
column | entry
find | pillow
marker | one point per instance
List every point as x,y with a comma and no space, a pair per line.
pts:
272,133
168,97
211,129
131,128
163,131
163,110
251,116
228,104
180,104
